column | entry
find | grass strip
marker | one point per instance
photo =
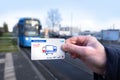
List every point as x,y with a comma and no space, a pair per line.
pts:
8,45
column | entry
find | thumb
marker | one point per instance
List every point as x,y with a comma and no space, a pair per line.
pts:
71,48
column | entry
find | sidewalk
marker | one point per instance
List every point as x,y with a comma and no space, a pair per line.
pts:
2,61
14,66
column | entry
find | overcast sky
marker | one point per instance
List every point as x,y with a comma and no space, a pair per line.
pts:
87,14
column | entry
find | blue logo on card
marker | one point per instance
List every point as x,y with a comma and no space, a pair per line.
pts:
49,49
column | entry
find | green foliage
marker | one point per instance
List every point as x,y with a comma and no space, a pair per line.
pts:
5,26
1,31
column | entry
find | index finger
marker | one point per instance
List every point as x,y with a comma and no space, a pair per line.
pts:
78,40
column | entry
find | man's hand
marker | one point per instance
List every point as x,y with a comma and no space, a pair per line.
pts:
89,50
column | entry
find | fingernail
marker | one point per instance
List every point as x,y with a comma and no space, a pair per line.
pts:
73,42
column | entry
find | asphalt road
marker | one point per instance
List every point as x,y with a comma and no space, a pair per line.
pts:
67,69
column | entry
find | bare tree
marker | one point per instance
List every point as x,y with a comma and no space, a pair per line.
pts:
54,18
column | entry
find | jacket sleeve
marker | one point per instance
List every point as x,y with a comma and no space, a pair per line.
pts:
112,65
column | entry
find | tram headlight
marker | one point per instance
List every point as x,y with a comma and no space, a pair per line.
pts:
26,38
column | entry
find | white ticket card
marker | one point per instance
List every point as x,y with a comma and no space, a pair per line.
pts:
47,49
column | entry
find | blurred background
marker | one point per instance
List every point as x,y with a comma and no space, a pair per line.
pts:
24,19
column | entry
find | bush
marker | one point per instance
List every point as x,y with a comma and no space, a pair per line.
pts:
1,33
14,41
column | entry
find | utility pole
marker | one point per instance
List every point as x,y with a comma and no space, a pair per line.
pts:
71,16
113,26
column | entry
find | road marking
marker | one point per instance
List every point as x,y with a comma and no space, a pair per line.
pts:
39,74
45,69
2,61
9,73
